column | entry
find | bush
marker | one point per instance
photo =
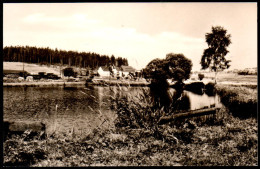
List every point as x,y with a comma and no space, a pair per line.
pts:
210,89
24,74
69,72
201,76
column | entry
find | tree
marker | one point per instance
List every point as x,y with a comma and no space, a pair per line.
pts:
175,66
113,60
214,56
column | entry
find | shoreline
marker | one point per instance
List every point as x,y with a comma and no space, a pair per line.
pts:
40,84
81,83
104,83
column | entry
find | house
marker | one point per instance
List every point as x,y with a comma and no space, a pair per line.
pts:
125,70
103,71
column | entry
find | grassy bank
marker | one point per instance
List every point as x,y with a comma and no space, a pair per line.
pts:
135,139
232,143
240,100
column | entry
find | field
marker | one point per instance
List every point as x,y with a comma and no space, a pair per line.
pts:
232,78
30,68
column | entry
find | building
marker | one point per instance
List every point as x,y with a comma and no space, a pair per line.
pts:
103,71
126,70
122,71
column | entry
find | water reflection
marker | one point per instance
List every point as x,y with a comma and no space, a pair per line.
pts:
201,101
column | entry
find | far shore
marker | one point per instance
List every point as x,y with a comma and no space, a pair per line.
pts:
39,84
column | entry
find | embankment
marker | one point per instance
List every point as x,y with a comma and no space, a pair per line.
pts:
240,100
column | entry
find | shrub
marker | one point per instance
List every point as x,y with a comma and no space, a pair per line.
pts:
69,72
201,76
210,89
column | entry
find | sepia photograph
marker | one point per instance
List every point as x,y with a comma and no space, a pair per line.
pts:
129,84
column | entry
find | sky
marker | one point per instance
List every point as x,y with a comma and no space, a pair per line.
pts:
139,32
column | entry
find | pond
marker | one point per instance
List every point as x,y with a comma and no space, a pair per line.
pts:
75,109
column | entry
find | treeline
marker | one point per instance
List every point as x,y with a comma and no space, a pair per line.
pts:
61,57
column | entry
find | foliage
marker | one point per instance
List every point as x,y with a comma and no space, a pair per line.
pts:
49,56
214,56
175,66
210,89
69,72
133,112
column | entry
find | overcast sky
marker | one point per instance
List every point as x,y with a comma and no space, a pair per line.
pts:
139,32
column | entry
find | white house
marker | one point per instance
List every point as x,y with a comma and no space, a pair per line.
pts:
123,71
103,71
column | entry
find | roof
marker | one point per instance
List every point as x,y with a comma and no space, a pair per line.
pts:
12,71
127,69
105,68
117,68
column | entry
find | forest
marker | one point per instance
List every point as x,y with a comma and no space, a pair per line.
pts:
41,55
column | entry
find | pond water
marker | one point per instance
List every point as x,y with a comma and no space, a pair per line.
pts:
77,109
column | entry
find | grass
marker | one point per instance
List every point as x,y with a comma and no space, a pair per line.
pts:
240,100
134,139
232,144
